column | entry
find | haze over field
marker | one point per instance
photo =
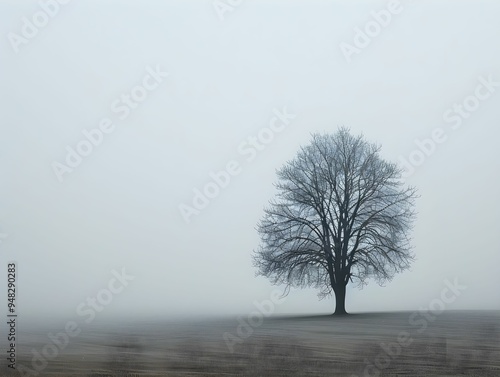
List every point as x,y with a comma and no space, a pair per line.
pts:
210,87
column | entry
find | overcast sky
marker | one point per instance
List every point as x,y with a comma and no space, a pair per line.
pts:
180,88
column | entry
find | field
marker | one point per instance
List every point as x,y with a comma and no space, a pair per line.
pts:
456,343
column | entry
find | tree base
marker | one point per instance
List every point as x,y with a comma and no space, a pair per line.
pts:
341,313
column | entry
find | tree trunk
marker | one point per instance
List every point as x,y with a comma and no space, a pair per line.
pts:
340,300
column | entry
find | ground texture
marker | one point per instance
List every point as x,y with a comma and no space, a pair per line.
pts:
372,344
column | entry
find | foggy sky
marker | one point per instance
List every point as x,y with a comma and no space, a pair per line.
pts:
119,208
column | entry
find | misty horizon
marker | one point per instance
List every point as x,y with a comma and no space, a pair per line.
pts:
115,119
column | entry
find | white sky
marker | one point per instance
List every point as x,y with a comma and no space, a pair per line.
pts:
119,207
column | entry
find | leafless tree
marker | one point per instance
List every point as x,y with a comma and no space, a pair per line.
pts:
342,214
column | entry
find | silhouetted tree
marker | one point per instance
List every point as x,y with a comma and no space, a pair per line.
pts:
342,214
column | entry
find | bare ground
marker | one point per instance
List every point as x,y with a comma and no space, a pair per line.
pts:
463,343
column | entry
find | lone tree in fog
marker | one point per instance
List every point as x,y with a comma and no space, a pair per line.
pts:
341,215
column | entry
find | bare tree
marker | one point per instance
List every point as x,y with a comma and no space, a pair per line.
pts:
342,214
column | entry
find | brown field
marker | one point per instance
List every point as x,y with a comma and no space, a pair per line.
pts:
457,343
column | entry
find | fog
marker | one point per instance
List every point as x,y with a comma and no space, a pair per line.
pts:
211,79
